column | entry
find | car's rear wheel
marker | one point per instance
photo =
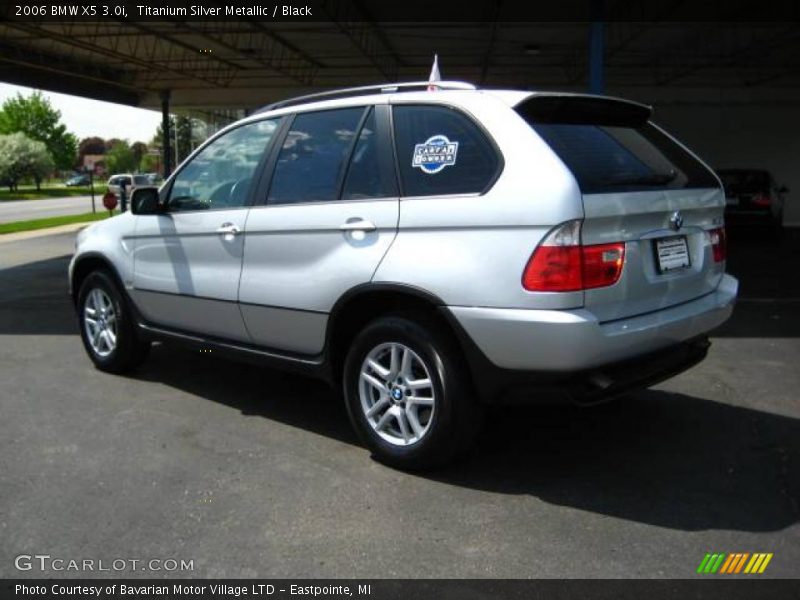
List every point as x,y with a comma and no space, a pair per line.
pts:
408,393
108,330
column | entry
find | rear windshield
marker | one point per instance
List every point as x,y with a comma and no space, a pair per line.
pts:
615,150
744,181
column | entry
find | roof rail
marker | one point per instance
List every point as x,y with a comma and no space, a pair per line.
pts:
384,88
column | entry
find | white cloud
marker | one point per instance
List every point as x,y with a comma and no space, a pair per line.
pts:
85,117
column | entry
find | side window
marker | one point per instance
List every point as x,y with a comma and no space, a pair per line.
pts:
220,176
313,157
441,151
369,175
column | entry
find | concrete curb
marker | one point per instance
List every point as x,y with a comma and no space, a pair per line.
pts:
26,235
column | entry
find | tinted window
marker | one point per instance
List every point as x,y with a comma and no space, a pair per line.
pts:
608,155
441,151
221,174
312,160
742,181
369,175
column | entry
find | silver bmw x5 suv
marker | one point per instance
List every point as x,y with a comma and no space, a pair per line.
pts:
431,252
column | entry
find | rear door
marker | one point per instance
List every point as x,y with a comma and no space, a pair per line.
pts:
641,187
187,262
327,216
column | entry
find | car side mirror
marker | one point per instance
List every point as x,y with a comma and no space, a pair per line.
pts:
146,201
783,190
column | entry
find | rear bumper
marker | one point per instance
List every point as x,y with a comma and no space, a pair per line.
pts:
572,340
517,345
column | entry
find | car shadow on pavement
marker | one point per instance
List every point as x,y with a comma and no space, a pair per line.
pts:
655,457
34,299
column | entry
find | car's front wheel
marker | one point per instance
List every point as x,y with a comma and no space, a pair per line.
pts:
107,326
408,393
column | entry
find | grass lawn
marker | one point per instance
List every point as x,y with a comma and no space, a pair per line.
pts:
51,222
51,190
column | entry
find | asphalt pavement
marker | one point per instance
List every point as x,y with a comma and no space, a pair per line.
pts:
251,472
24,210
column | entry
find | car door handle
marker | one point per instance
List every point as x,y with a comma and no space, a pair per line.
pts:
359,225
227,229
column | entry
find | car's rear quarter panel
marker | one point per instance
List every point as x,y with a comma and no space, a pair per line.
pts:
470,250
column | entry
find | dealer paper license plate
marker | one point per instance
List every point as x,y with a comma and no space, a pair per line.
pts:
672,253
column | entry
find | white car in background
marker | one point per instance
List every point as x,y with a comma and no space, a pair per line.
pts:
131,182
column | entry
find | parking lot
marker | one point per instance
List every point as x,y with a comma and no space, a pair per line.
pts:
252,472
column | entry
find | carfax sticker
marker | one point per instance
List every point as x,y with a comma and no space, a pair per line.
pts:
435,154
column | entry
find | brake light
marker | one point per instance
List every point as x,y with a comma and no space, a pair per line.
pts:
719,244
562,264
762,200
602,264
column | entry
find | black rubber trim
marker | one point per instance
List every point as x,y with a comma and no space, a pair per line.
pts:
239,302
312,366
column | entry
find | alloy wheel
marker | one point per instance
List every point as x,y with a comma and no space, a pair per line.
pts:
397,394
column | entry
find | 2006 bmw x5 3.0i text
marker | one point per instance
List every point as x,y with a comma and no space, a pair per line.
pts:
431,252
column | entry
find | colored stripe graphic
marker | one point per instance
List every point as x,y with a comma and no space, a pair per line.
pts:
703,563
740,564
718,562
734,563
755,562
727,564
765,563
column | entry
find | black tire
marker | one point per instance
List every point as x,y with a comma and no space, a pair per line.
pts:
129,351
457,416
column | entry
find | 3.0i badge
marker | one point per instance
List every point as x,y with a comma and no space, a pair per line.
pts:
435,154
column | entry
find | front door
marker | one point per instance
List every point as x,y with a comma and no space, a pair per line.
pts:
187,261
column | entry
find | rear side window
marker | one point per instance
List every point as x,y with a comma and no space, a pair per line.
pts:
441,151
312,160
371,172
611,155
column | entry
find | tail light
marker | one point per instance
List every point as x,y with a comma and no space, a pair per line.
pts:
719,245
762,200
562,264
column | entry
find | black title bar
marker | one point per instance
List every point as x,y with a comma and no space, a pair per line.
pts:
409,11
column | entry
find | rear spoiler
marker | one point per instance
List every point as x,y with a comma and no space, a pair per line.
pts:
579,109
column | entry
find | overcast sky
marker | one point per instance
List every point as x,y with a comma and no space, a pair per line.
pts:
85,117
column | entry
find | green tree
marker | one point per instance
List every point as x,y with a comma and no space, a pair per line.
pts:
188,132
90,145
110,143
139,151
21,157
37,119
151,163
120,158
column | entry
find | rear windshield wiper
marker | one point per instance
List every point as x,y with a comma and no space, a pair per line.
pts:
651,179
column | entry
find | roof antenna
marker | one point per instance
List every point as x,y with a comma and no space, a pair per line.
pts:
435,75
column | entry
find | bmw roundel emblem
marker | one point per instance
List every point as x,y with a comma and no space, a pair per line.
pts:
676,220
